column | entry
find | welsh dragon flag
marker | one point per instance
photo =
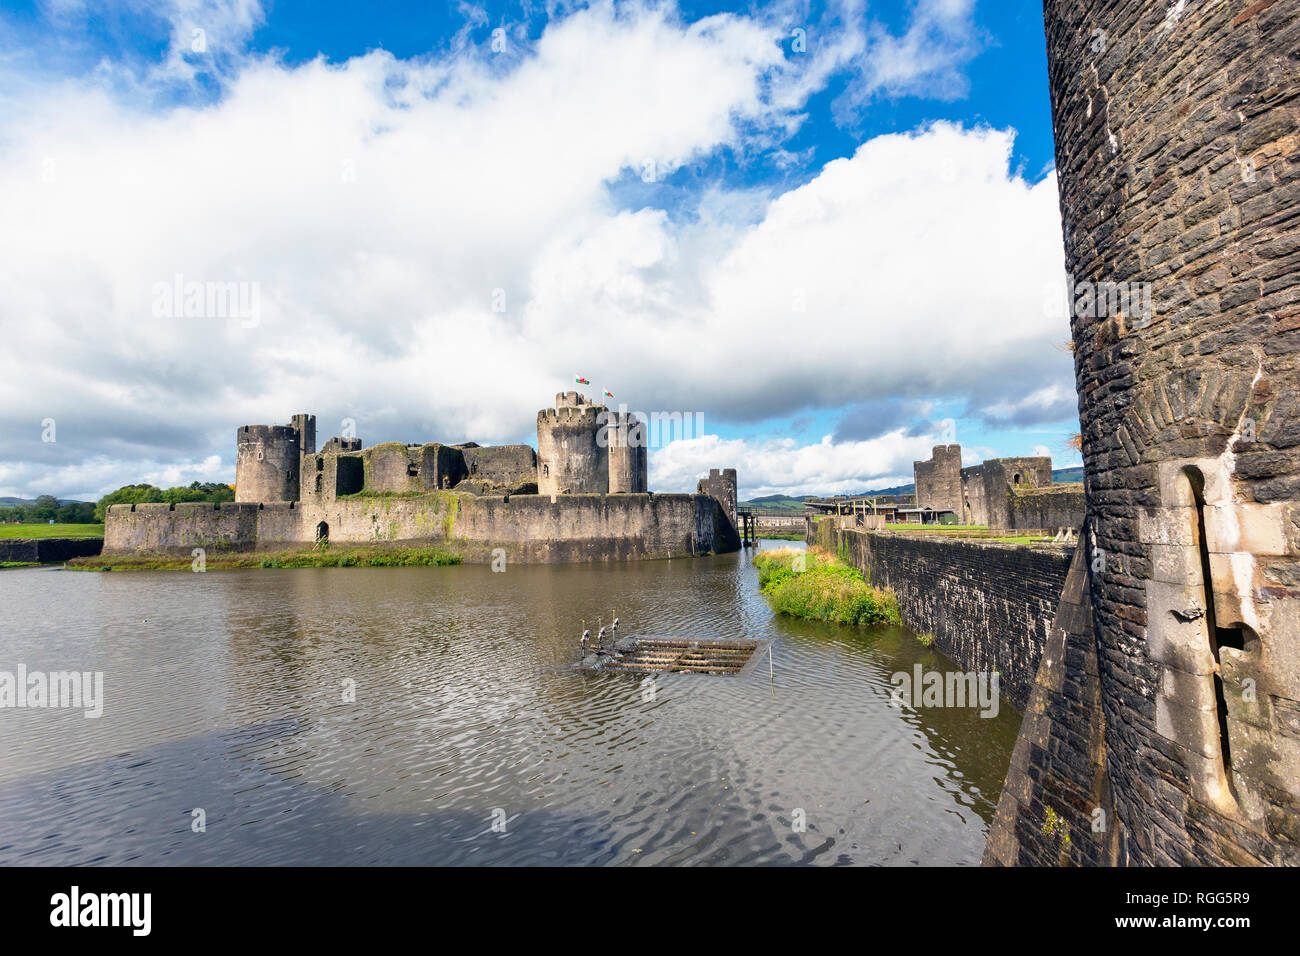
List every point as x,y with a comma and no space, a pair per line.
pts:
608,393
579,380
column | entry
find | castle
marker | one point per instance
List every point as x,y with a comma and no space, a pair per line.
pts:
1004,493
581,449
1165,727
583,495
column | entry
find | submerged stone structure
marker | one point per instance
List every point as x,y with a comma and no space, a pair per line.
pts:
1165,726
584,495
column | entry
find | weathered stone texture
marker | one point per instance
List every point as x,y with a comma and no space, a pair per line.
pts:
528,528
268,460
1056,806
982,494
1051,508
989,605
1178,161
48,550
938,481
721,487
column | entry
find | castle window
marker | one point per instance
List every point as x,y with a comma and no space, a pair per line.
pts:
1015,479
322,533
318,483
412,469
546,471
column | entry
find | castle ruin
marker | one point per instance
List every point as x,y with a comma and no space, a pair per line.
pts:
1003,493
583,495
1165,727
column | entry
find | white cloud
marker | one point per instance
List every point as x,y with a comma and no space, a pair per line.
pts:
781,466
384,206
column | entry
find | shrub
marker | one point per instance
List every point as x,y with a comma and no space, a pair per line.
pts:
826,590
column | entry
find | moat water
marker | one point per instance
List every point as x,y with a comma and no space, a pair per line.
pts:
225,692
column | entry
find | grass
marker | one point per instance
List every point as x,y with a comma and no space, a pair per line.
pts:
827,589
328,557
775,536
18,564
51,530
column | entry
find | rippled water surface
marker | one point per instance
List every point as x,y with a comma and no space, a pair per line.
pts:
225,691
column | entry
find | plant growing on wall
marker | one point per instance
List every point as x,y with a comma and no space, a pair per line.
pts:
1055,826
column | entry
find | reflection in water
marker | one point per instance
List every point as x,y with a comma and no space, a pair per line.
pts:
233,692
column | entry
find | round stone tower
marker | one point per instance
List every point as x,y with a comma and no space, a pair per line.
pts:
628,455
267,459
1176,151
570,458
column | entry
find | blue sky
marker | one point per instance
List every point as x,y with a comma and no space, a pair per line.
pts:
830,229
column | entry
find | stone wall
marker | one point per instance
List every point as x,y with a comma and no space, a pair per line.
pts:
570,457
529,528
171,528
1051,508
1056,805
938,481
48,550
1178,164
986,488
989,605
721,486
503,469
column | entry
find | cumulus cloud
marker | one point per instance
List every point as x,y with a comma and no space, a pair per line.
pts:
782,466
436,245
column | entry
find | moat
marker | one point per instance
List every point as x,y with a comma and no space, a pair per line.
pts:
225,691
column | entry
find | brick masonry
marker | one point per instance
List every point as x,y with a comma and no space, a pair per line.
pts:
989,605
528,528
1178,164
48,550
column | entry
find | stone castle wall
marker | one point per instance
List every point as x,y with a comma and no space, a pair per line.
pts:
938,481
1178,164
1058,766
570,459
268,459
48,550
998,493
1050,509
529,528
989,605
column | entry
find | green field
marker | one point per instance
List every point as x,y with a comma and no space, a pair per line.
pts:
51,530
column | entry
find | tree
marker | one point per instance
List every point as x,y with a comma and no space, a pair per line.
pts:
127,495
44,508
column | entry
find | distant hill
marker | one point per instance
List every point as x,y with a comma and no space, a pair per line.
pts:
1062,476
777,502
9,502
908,489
